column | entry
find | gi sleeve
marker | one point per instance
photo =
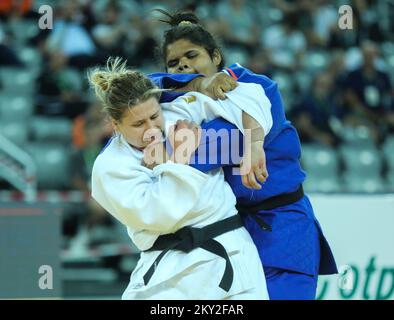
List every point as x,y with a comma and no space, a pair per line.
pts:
247,97
145,199
170,81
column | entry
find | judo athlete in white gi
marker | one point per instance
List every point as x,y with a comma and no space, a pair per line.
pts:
174,197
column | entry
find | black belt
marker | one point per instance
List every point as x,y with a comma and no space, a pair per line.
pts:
189,238
270,204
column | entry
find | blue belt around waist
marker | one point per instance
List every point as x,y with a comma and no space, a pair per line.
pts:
270,204
189,238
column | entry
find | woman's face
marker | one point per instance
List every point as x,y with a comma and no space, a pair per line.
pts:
142,123
185,57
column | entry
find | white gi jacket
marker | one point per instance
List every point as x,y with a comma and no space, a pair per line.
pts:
163,200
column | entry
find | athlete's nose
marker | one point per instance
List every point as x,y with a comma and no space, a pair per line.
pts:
150,124
183,66
152,132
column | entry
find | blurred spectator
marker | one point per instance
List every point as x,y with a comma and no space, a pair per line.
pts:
59,92
336,67
70,38
144,42
84,156
368,94
8,57
312,117
286,44
260,63
95,223
238,26
293,6
303,9
269,37
325,19
15,7
390,119
365,26
110,32
366,13
92,114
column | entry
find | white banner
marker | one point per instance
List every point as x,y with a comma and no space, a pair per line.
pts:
360,230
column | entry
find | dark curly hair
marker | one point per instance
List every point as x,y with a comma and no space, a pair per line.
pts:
193,31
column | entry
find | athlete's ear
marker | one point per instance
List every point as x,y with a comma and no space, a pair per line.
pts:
115,124
216,57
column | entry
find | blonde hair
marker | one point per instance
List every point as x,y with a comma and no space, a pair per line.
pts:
120,88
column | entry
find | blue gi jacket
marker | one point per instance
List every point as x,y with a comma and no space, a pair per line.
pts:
296,242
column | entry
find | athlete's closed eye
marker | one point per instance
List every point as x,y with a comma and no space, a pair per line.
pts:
172,63
154,116
137,124
191,54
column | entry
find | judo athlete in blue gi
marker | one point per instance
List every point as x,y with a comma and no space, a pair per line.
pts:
279,216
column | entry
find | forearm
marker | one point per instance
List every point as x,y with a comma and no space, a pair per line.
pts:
194,85
252,127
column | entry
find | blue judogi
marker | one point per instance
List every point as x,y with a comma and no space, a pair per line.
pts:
296,251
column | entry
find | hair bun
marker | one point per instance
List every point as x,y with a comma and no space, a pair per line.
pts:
179,18
101,80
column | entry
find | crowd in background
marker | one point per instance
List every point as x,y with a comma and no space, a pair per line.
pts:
326,72
337,84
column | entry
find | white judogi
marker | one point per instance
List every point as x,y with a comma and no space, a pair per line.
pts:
163,200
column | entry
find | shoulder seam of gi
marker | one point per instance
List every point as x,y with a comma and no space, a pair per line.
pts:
231,72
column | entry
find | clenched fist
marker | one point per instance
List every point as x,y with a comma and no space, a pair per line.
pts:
184,138
217,85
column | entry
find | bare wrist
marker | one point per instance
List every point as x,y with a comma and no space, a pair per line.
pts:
257,134
197,84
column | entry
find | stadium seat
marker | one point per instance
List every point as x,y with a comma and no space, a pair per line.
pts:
236,54
321,166
284,81
361,160
51,129
388,151
390,180
322,184
319,161
31,58
53,164
286,87
23,30
15,107
390,60
71,75
387,49
303,80
17,81
16,131
360,136
314,61
38,3
363,184
274,14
